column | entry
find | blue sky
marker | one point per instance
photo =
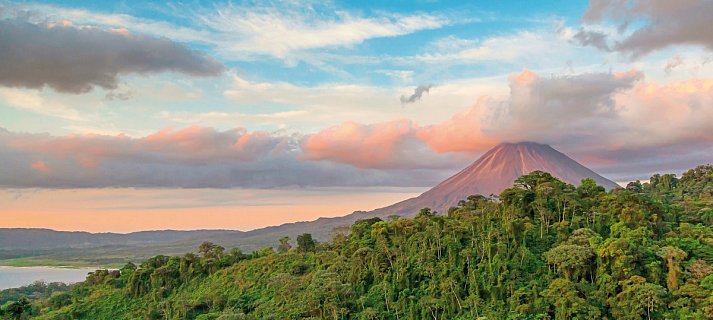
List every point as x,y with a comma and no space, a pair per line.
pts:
474,22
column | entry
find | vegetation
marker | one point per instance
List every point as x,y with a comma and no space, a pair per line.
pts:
35,291
542,250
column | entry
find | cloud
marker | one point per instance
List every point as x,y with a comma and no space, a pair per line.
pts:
657,114
75,59
518,47
607,120
192,157
592,112
674,63
32,101
417,93
40,165
592,38
656,24
233,117
461,133
305,108
400,75
161,29
118,95
386,145
541,109
286,30
282,31
611,121
555,108
249,92
189,145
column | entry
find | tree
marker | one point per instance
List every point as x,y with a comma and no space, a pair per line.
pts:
284,245
567,300
18,308
635,186
638,298
571,259
305,243
673,257
426,212
604,256
589,188
211,250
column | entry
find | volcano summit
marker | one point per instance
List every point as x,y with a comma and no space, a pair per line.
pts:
495,171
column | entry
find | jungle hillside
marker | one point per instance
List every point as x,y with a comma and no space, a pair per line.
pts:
542,249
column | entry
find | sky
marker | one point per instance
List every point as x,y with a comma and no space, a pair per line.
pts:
126,115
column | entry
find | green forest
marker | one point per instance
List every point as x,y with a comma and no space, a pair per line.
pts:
543,249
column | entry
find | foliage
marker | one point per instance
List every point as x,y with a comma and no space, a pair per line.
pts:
35,291
543,250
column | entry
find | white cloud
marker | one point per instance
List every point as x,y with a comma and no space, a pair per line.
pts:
278,119
32,100
147,26
283,92
518,46
279,32
335,103
239,32
404,76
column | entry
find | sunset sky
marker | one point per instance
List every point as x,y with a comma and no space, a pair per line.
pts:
123,116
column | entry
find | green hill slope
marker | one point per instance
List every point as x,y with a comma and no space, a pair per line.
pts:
543,250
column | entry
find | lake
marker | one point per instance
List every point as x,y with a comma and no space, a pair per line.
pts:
12,277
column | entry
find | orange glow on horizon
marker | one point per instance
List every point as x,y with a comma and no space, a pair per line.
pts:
128,210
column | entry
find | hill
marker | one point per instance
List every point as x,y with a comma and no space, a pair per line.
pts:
546,250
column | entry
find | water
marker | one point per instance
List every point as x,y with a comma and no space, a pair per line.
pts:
13,277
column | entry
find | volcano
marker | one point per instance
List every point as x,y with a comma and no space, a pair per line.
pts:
495,171
492,173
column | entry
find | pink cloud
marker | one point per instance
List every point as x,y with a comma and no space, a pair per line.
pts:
189,144
72,145
536,109
88,162
668,113
40,166
460,133
597,117
585,114
364,146
206,157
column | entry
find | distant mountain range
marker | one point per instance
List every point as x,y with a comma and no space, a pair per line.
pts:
38,239
493,172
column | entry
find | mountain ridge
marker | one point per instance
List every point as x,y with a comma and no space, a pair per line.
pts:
491,173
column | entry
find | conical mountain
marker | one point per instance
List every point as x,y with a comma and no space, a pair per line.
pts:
495,171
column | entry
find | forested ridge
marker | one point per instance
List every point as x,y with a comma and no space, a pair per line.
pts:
542,250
